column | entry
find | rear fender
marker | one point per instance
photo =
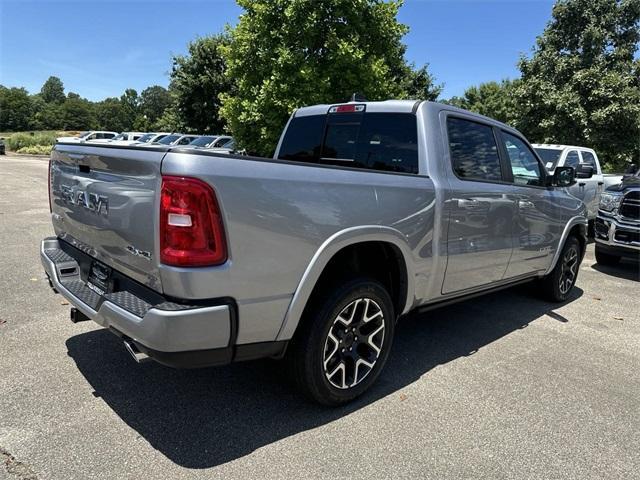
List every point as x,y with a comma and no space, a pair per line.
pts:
335,243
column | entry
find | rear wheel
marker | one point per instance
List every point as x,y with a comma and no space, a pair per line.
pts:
605,258
344,342
558,284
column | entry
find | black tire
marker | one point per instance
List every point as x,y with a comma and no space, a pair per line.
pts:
605,258
557,285
312,355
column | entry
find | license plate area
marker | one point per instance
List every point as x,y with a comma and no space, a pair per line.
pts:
99,279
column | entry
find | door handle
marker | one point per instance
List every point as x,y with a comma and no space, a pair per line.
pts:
467,203
525,204
600,183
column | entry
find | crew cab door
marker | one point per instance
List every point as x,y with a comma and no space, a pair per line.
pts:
585,189
538,222
479,205
591,187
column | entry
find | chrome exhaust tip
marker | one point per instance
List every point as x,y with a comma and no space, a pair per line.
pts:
137,355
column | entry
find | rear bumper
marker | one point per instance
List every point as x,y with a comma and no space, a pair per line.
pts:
171,332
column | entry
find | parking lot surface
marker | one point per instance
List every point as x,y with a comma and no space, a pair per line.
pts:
503,386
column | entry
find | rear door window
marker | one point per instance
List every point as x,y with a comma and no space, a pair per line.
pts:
474,152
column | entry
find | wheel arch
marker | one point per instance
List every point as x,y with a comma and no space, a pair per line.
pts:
330,249
576,226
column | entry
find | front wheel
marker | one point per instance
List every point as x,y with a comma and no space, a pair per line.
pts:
343,342
558,284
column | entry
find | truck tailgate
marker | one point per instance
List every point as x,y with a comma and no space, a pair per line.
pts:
104,201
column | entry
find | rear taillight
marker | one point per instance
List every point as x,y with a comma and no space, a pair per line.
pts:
191,230
49,185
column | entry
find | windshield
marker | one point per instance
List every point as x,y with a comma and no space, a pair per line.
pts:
169,139
121,136
549,156
202,141
231,144
146,137
83,134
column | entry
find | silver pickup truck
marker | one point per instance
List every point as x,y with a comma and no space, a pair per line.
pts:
366,212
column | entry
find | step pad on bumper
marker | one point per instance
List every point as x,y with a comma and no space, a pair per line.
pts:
124,299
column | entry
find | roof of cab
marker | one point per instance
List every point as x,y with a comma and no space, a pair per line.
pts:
397,106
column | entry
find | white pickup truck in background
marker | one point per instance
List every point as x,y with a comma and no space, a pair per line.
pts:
588,189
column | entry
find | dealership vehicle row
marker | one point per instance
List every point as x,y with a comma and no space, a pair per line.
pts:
221,143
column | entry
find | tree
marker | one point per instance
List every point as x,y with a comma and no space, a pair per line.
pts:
582,83
112,114
197,81
419,84
15,109
285,54
153,102
49,116
130,103
52,90
78,114
493,99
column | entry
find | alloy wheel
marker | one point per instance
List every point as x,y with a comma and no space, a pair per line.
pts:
569,270
353,343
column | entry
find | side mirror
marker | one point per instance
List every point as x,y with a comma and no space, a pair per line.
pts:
564,177
584,171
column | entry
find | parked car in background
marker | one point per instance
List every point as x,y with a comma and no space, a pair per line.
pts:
151,137
128,136
124,138
89,136
368,211
176,139
184,140
590,184
228,147
617,228
210,141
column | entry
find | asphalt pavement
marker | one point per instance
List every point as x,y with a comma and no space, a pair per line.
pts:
503,386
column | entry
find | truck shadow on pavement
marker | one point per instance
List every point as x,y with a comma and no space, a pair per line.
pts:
207,417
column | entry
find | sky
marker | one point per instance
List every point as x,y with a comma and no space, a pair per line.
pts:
100,48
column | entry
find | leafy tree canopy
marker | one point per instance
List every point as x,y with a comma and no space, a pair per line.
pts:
52,90
153,102
582,83
15,109
285,54
197,81
493,99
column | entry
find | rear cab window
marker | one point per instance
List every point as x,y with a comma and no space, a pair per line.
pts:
382,141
